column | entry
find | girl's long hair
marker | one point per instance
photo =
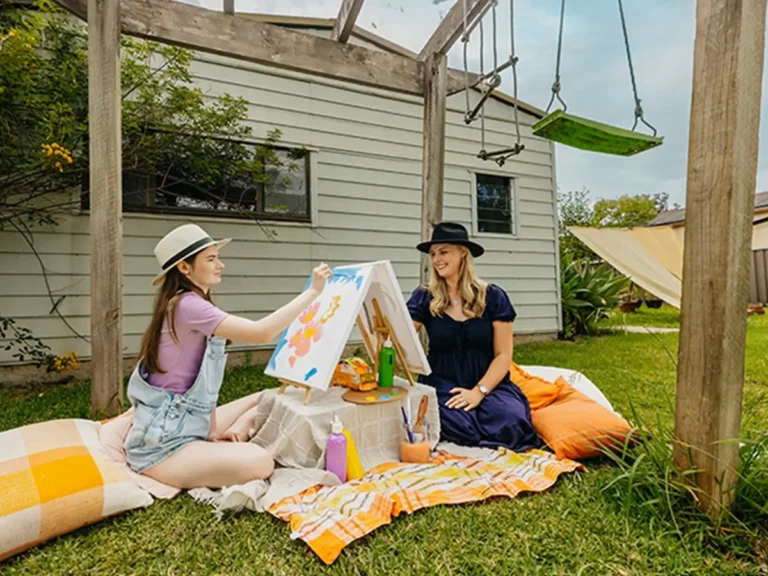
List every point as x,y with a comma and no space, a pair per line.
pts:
471,288
174,286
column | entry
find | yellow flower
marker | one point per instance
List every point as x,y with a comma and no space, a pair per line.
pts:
27,45
12,33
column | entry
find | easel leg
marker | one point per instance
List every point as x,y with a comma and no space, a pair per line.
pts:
307,389
383,328
366,340
400,355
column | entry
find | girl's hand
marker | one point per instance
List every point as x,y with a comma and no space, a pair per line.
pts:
466,399
228,436
320,276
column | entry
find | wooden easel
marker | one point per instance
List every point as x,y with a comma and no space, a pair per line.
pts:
286,383
382,329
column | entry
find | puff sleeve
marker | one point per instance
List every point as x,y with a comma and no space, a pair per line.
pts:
498,306
418,305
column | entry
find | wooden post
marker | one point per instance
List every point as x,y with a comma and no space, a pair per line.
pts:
722,166
229,6
433,158
106,220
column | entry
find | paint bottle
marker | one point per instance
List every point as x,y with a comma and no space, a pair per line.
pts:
355,469
336,451
386,365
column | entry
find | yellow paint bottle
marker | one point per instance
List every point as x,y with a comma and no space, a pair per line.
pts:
355,469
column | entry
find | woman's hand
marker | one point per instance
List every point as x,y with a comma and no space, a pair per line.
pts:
464,398
320,276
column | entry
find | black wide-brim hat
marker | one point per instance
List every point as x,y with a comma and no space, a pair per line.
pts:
451,233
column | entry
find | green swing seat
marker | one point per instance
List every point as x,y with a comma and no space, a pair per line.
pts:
593,136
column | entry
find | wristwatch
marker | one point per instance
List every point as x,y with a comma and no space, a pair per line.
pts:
483,390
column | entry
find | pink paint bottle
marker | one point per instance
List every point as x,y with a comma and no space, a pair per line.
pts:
336,451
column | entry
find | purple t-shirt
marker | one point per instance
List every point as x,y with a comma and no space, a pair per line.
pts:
195,319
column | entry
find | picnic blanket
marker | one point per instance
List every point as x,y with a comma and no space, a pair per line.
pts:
330,518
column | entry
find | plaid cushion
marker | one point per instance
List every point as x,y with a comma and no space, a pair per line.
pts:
55,477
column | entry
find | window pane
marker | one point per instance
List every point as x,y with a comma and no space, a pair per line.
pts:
174,185
494,204
286,191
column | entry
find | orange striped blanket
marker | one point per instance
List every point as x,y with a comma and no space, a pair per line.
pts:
329,518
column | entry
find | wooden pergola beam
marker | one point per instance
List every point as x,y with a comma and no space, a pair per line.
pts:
722,168
106,207
248,39
345,21
452,26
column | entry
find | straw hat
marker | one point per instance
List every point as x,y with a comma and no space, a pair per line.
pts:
181,243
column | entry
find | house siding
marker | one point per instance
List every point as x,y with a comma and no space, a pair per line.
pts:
366,154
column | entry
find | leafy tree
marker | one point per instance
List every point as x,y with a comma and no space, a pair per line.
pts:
166,122
574,209
628,211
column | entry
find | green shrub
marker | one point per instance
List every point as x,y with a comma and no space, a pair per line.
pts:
588,294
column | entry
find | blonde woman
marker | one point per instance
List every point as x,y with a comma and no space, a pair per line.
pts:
469,324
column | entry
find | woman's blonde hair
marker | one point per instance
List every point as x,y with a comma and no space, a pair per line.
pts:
471,289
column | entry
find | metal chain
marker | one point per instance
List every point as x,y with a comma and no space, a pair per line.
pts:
495,45
638,107
482,73
465,40
556,85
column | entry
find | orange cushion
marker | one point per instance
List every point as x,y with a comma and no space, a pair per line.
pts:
540,392
576,427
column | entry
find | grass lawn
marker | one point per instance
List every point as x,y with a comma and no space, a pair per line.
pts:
576,528
664,317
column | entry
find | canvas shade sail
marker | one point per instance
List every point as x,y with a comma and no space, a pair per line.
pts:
651,260
653,257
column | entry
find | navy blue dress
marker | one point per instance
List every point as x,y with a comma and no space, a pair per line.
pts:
460,353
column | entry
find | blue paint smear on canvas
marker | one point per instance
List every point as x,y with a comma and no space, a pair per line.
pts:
280,345
309,374
347,275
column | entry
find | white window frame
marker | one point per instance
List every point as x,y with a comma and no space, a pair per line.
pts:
515,233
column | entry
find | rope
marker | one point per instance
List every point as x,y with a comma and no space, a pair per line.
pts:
556,85
513,58
638,107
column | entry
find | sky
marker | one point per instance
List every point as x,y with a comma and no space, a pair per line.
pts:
594,74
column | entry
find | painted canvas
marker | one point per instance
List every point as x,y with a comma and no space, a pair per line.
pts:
309,349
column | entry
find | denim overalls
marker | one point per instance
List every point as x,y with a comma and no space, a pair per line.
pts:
164,422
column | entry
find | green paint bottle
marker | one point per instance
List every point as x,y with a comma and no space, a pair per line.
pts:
386,365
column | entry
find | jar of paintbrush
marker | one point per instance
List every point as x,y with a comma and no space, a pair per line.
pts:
414,441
